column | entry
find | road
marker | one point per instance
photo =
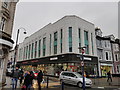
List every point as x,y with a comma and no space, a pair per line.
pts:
100,84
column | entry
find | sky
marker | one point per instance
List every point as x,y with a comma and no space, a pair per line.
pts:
34,15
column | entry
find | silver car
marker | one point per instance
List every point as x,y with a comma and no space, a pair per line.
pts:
74,78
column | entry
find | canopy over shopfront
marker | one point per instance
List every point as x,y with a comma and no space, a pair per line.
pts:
57,63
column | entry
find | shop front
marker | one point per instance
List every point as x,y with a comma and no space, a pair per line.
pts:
67,62
105,68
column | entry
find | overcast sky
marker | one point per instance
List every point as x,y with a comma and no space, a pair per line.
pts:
34,15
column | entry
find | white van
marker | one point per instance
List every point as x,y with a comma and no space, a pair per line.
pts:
74,78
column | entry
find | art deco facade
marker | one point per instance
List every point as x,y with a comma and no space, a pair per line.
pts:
7,10
55,47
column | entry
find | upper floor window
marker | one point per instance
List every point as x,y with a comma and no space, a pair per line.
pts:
92,44
29,51
70,39
61,36
44,46
106,55
99,43
26,52
116,57
86,42
55,43
50,42
105,44
32,50
39,48
110,57
5,4
35,49
79,35
2,24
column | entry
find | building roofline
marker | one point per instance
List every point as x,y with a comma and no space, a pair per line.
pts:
72,16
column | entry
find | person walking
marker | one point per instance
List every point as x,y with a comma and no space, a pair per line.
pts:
16,75
109,76
21,76
28,81
39,79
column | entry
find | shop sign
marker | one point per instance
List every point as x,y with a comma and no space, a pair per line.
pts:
54,58
34,61
24,62
104,64
87,58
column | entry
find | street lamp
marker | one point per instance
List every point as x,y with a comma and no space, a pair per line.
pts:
82,64
16,47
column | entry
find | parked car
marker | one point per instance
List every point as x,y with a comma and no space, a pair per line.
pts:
74,78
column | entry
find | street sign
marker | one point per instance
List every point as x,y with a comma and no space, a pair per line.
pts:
82,63
83,51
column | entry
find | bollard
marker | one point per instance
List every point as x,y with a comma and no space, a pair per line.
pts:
47,81
62,85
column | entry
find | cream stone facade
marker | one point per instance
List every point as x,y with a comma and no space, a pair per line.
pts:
57,43
7,11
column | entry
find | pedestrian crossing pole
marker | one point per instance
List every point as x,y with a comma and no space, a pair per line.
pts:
82,64
83,69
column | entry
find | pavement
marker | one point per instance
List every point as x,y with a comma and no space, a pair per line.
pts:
98,84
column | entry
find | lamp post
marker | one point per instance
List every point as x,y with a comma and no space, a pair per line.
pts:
15,53
82,64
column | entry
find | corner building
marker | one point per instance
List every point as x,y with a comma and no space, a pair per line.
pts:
55,47
7,11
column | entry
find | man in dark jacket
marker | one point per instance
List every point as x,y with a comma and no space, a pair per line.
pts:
109,76
28,81
15,78
39,79
21,76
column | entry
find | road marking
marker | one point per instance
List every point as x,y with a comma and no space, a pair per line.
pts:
101,87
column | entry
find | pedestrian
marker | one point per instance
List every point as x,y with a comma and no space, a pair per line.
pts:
16,75
39,79
21,76
32,76
28,81
109,76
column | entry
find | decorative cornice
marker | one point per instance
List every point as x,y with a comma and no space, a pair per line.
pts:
6,36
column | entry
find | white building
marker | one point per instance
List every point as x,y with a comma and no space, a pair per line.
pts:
55,46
